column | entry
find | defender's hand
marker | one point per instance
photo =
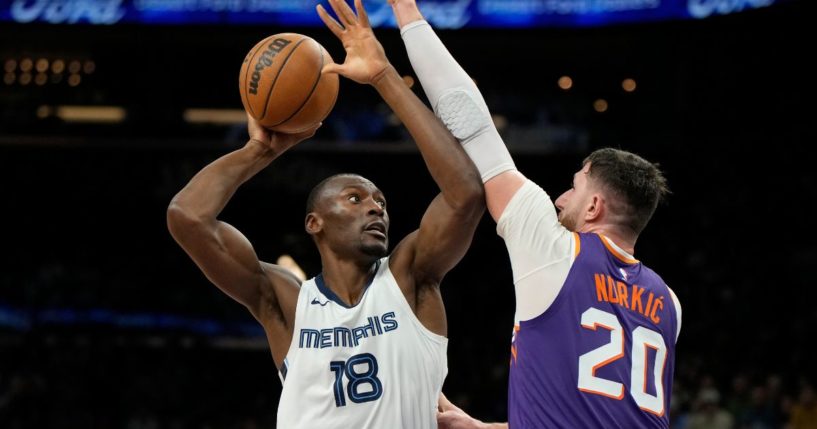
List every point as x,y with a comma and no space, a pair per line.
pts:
406,12
365,59
450,416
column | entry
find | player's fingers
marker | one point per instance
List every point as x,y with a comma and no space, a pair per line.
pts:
444,420
304,135
344,12
330,22
361,13
336,9
444,404
333,68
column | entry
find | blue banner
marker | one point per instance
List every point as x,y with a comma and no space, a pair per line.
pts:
446,14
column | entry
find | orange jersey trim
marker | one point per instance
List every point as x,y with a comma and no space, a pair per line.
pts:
620,256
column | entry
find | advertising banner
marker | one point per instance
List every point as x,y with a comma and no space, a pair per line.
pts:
444,14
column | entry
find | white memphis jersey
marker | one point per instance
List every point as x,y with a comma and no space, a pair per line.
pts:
373,365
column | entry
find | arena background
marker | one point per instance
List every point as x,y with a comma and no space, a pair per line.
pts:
105,322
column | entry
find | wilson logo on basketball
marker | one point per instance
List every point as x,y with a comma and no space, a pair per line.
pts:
265,60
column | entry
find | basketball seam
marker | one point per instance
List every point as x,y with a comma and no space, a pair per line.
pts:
272,87
311,92
247,74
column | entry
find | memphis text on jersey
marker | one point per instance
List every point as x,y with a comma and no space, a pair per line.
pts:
340,336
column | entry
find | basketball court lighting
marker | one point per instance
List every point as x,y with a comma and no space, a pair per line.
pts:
215,116
565,82
44,111
96,114
58,66
41,65
26,64
88,67
628,84
600,105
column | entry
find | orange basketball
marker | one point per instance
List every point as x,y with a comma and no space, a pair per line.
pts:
282,86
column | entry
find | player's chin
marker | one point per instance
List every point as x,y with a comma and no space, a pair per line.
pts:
378,249
566,222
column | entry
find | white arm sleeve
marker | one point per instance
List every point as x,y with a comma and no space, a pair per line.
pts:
456,100
677,304
541,250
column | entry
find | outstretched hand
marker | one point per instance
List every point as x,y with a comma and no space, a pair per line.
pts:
278,142
450,416
365,59
406,11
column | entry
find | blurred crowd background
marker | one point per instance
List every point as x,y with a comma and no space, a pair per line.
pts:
105,322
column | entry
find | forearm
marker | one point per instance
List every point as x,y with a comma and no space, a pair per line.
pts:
205,196
456,99
476,424
438,71
448,164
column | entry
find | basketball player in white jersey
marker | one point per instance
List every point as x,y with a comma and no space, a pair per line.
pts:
361,345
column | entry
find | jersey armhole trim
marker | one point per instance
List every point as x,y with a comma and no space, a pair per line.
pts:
389,277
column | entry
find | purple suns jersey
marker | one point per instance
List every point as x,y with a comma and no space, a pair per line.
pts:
602,353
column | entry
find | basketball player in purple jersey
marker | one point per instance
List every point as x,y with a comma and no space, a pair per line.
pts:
595,329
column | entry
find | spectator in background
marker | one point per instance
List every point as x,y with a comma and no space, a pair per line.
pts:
804,412
761,412
708,413
738,401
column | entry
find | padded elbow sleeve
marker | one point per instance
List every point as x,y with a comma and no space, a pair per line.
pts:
456,100
475,129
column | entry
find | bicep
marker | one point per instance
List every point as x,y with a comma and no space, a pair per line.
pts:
500,189
227,259
443,238
539,247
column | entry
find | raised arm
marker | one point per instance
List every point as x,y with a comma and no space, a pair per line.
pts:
447,227
459,104
224,254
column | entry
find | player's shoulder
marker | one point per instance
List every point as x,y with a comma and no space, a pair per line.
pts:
281,276
529,203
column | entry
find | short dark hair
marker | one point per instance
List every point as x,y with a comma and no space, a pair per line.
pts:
639,183
315,193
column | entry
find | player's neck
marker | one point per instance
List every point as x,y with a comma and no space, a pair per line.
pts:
624,241
347,279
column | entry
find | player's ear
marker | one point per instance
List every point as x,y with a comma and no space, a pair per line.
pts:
595,208
313,223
